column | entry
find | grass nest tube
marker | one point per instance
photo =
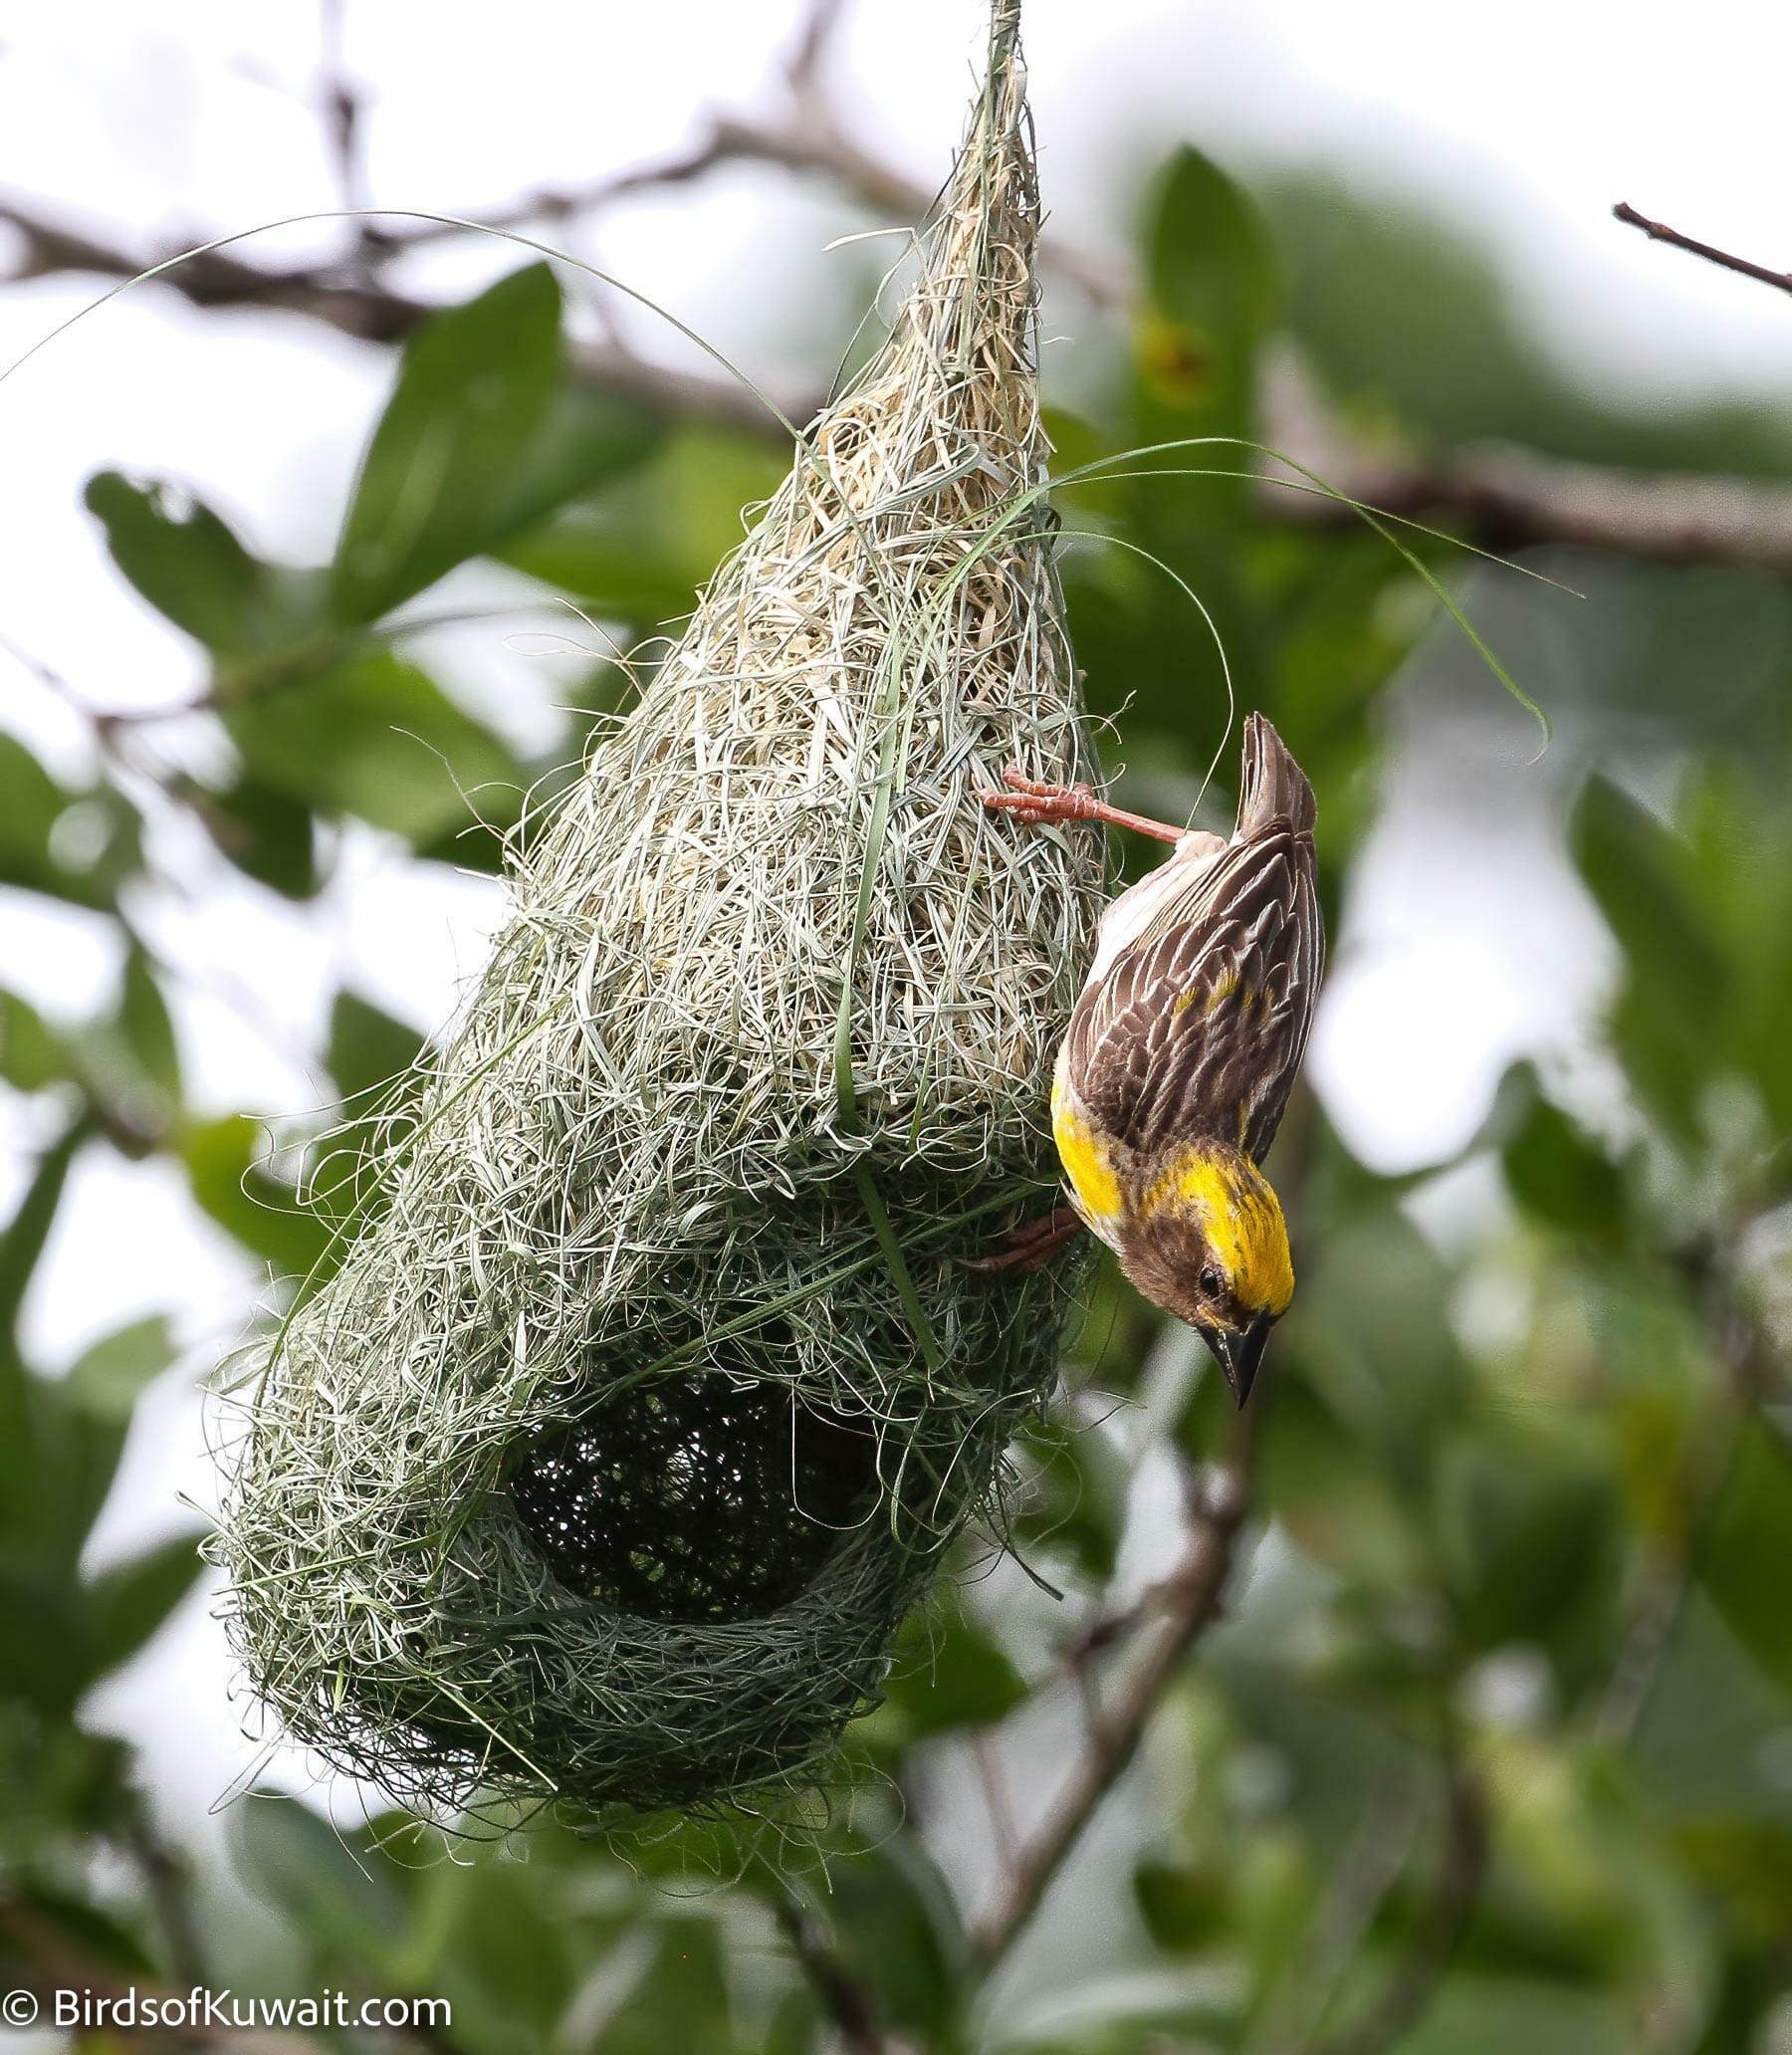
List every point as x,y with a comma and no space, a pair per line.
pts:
605,1465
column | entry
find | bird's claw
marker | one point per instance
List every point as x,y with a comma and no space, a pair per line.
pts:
1030,1246
1038,804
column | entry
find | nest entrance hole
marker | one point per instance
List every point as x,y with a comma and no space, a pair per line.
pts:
692,1498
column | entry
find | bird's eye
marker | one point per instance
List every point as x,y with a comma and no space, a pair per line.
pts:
1212,1282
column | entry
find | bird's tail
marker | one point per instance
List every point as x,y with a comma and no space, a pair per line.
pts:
1272,785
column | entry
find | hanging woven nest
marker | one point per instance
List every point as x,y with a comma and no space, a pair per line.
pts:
606,1467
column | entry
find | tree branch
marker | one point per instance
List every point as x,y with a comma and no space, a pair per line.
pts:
844,1997
1503,498
341,109
812,139
214,278
165,1881
355,296
1660,232
1506,499
1188,1603
373,313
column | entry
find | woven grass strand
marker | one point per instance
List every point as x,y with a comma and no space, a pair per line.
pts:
761,1054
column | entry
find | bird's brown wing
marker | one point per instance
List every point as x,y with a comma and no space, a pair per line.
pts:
1200,1025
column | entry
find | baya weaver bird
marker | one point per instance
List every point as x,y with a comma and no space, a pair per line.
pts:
1180,1052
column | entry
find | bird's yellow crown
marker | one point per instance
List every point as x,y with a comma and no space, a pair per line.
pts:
1241,1218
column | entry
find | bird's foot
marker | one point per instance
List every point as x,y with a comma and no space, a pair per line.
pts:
1032,1245
1037,805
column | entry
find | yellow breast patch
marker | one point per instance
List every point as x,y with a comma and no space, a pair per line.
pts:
1086,1160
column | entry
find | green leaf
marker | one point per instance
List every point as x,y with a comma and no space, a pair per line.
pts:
1336,1506
127,1063
93,1934
1075,1503
1212,290
373,737
677,1985
34,804
1146,649
104,849
896,1919
1713,1724
94,860
1211,257
1371,1328
1185,1905
1557,1172
448,460
143,1024
1746,1865
110,1378
123,1608
1328,1747
1527,1538
1669,1017
369,1055
504,1965
949,1673
346,1911
32,1054
639,549
1474,2015
39,1652
588,437
368,1050
1635,867
230,1180
1345,612
1747,1551
30,1487
267,833
23,1241
83,1418
1741,836
186,561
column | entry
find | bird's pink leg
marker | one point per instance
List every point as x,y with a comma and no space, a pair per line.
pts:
1042,806
1034,1244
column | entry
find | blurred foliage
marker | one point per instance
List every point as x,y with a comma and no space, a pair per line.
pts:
1494,1748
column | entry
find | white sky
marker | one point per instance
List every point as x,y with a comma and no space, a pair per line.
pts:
191,116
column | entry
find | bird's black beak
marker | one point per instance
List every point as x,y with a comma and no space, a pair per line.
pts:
1239,1352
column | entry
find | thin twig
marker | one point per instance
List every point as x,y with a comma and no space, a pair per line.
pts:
214,278
165,1881
809,50
1502,498
1188,1603
1310,1979
342,107
1438,1928
844,1998
1660,232
997,1804
810,141
376,312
